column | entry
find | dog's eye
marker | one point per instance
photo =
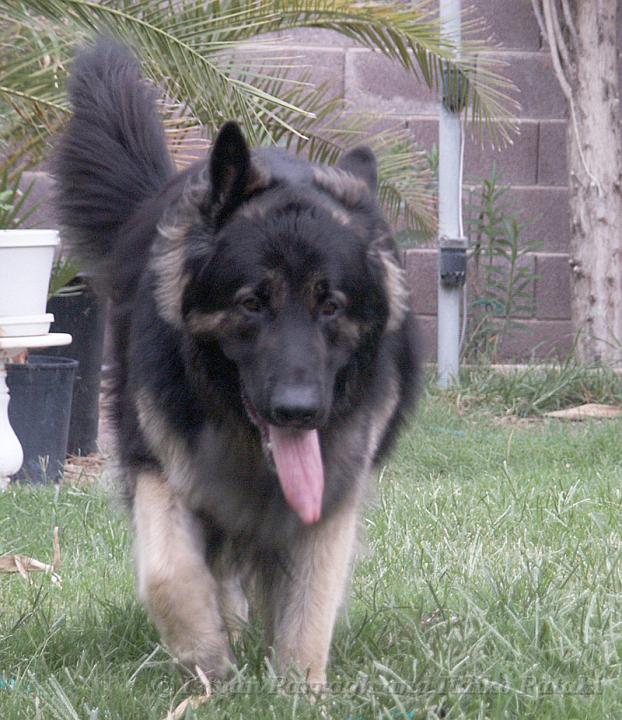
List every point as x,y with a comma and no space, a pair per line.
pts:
329,308
251,304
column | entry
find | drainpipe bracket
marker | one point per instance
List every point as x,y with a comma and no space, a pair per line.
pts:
452,265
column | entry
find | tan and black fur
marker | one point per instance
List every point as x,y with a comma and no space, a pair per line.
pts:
254,290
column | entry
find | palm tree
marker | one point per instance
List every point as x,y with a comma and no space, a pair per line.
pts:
197,51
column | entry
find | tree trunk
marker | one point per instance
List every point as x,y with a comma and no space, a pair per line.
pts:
594,144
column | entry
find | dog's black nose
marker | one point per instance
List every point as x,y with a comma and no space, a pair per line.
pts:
296,405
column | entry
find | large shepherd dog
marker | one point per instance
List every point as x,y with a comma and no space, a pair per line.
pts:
265,359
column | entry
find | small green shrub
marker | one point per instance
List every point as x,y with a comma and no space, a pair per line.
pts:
501,279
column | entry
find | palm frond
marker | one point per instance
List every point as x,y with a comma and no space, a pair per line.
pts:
32,103
190,48
183,37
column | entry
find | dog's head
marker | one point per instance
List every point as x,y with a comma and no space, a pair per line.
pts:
290,269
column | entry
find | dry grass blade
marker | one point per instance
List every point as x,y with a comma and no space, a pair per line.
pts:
205,680
23,564
194,700
20,567
586,412
57,560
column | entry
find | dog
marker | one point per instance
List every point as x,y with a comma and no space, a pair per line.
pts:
265,357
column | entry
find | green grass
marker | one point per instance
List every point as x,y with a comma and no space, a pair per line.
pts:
490,587
535,390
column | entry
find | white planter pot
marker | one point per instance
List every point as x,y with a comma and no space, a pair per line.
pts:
26,258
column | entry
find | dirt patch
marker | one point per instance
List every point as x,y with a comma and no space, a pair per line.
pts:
517,422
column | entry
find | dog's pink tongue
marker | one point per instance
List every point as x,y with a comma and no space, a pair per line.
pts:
298,463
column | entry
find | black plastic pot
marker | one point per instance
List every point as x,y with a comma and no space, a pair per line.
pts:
39,412
83,316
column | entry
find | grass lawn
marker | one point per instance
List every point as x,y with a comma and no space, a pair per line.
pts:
490,586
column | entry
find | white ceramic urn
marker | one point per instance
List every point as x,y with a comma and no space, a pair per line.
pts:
26,258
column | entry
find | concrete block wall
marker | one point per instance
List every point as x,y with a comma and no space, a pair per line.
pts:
534,165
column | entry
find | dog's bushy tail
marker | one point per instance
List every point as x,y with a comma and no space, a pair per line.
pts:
113,154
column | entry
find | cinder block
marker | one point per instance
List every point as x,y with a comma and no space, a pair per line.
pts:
421,271
516,163
378,83
511,23
317,65
542,213
424,130
538,340
552,163
426,337
545,213
539,93
374,82
380,128
309,36
553,287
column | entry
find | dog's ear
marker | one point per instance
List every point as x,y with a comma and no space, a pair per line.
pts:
361,162
230,166
234,175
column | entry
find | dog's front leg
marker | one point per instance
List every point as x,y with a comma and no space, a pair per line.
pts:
174,581
305,597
